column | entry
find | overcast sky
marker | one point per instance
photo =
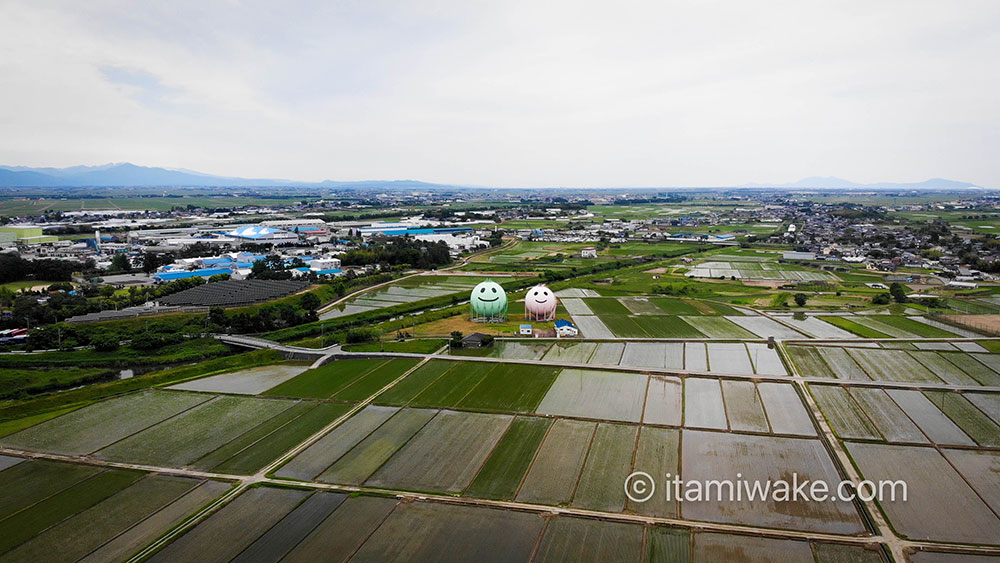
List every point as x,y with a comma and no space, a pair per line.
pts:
533,93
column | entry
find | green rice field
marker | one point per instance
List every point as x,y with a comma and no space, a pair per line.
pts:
343,380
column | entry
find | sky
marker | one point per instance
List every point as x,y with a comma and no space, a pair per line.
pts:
515,94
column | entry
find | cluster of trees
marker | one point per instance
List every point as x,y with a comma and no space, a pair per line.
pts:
89,298
273,267
672,289
361,335
496,239
859,214
897,293
398,251
14,268
106,337
58,306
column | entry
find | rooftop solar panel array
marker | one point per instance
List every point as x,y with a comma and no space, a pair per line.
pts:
232,293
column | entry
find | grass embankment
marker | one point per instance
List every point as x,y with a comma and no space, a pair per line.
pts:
41,406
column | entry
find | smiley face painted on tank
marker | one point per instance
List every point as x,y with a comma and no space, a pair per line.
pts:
488,298
540,294
540,300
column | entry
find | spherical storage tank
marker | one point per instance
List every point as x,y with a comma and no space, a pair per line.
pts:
540,304
488,302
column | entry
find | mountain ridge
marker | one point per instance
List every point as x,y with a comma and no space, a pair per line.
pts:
126,174
832,182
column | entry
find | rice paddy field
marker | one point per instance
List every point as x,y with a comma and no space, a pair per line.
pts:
560,453
228,433
654,317
940,365
280,524
879,326
251,381
942,443
740,268
343,380
55,511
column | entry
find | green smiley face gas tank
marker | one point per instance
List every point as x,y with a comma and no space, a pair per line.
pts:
488,299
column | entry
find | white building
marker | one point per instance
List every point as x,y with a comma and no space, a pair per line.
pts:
565,328
324,263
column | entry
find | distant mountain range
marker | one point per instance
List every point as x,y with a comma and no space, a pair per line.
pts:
831,182
130,175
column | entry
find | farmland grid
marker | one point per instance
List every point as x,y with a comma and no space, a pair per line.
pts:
896,542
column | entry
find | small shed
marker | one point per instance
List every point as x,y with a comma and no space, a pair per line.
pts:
525,330
476,340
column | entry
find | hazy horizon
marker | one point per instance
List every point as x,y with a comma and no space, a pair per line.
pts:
515,94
